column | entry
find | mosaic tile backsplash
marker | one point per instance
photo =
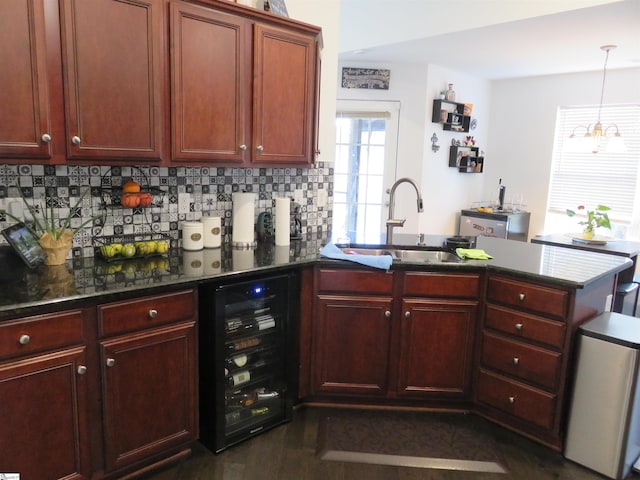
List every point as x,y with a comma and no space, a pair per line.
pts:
208,192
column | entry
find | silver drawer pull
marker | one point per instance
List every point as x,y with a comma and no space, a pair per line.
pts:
153,313
82,369
387,313
407,314
76,140
521,296
512,400
519,326
24,339
110,362
516,360
46,138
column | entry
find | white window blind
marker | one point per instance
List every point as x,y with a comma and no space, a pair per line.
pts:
606,178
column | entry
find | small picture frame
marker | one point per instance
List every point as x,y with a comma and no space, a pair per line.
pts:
277,6
25,244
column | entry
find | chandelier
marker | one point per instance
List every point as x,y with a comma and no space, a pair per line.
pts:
594,138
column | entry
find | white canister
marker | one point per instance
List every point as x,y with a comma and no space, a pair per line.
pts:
212,229
193,263
192,236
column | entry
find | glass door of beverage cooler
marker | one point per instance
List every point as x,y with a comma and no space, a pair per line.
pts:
246,353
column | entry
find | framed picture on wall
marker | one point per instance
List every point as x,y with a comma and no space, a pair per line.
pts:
278,7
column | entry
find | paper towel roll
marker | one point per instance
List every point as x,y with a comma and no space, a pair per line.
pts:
192,236
242,218
282,221
212,229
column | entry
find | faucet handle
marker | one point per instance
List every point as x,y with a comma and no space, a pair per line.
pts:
396,222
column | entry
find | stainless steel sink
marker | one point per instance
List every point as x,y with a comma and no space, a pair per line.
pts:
406,255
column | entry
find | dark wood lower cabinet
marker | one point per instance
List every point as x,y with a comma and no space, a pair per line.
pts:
436,348
394,342
352,338
149,397
43,407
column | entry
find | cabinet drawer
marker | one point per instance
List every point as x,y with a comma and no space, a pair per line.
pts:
43,332
532,364
355,281
545,300
527,403
527,327
441,285
139,313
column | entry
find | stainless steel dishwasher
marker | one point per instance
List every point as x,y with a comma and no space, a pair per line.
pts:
604,420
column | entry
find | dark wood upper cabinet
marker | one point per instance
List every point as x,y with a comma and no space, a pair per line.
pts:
284,73
114,78
242,90
210,84
28,115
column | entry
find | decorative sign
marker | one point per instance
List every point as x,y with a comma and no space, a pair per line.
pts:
278,7
371,78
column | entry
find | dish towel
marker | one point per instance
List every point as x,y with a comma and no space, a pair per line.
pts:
473,254
376,261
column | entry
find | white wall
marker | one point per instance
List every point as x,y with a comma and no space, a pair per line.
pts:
445,191
523,116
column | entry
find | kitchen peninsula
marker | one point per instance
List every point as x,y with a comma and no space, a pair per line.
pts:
96,340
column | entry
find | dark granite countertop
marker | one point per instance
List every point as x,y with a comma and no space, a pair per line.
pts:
24,291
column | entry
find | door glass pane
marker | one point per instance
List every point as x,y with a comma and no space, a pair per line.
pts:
358,178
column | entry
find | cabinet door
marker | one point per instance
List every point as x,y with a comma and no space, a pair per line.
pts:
149,393
25,123
210,84
351,344
283,97
436,348
114,78
44,415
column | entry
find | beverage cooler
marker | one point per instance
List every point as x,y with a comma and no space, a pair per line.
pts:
247,358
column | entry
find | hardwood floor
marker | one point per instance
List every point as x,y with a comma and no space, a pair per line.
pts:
288,452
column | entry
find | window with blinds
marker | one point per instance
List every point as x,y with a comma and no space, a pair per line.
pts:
608,177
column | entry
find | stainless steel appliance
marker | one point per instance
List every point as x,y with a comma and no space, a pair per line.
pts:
502,224
604,420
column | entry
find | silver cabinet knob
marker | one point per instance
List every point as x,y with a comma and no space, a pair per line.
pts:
46,138
243,147
153,313
511,400
387,313
521,296
519,326
260,148
76,140
516,360
407,314
110,362
24,339
82,369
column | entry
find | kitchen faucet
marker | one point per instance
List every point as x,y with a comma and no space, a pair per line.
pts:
392,222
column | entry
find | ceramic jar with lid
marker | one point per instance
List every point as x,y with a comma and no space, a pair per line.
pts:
450,94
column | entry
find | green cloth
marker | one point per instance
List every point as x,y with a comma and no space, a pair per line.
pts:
473,254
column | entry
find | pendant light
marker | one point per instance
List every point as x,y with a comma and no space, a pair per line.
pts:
594,137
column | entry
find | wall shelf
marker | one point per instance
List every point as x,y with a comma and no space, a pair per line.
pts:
466,159
450,115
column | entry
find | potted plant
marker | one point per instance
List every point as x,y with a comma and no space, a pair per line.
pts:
595,218
54,234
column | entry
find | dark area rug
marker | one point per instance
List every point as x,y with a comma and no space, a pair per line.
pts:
410,439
